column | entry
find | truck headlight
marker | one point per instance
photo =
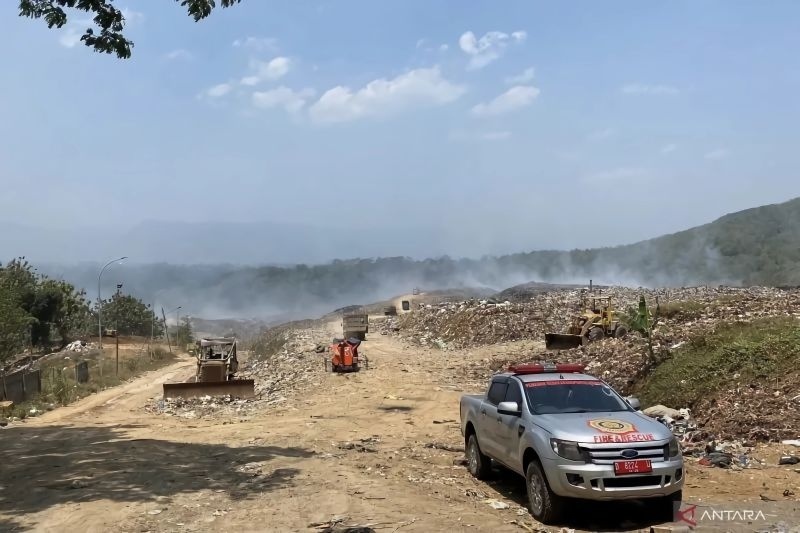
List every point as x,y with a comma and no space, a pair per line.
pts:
566,449
674,447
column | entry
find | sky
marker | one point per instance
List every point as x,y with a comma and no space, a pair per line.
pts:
496,126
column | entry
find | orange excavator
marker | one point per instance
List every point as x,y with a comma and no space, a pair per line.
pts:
344,357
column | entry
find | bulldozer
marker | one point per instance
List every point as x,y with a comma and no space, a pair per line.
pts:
217,364
598,321
344,357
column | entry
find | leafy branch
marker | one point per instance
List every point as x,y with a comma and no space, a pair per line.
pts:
109,20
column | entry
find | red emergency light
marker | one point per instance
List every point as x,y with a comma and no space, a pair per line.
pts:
563,368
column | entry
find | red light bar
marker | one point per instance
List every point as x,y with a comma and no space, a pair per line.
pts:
546,369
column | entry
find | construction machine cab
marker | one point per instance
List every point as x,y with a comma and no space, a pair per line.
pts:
596,322
217,364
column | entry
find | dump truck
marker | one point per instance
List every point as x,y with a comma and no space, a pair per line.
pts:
599,320
217,364
355,325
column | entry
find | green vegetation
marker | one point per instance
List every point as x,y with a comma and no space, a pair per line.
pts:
641,321
34,307
759,351
184,334
60,388
110,20
130,316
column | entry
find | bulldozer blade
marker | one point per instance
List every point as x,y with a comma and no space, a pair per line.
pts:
560,341
238,388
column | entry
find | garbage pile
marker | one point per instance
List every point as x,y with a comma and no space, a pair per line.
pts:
681,312
279,376
295,367
79,346
679,421
754,412
191,408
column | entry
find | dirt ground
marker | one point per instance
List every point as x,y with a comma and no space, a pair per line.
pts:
379,448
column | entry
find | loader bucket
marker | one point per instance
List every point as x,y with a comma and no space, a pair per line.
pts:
560,341
238,388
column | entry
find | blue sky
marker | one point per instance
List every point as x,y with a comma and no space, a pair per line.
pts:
505,126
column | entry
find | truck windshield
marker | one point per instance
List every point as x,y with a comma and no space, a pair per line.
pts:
565,396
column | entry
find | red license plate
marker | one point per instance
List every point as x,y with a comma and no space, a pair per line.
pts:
640,466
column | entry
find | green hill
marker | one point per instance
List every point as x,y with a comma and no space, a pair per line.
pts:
758,246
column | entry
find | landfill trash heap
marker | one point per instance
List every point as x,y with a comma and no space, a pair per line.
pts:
739,410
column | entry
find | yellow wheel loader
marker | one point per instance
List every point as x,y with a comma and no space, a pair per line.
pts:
595,323
217,365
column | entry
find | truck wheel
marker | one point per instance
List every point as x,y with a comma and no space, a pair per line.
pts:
596,334
545,505
479,465
620,332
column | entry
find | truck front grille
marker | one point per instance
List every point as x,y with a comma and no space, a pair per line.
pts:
605,455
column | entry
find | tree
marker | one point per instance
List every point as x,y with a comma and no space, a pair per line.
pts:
641,321
129,316
184,334
74,317
108,19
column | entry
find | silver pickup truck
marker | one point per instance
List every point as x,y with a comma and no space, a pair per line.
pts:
571,436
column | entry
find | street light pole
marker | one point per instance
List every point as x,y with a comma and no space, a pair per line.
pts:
100,301
99,311
177,309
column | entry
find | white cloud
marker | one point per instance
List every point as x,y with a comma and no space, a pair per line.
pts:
719,153
178,54
292,101
267,70
515,98
257,43
219,90
444,48
668,148
525,77
622,174
420,43
131,16
417,88
641,88
488,48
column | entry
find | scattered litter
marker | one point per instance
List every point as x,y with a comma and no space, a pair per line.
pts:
154,512
495,504
789,460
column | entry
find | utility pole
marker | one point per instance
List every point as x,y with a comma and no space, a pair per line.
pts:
117,337
99,310
166,330
177,324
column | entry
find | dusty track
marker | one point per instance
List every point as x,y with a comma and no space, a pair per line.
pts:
358,446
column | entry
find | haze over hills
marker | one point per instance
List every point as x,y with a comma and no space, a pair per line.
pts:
756,246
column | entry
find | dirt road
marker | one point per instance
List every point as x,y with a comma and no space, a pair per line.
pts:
381,447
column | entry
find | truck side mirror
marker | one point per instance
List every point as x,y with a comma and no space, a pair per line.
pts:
634,402
509,408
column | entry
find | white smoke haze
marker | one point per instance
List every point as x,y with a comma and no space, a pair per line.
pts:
275,294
